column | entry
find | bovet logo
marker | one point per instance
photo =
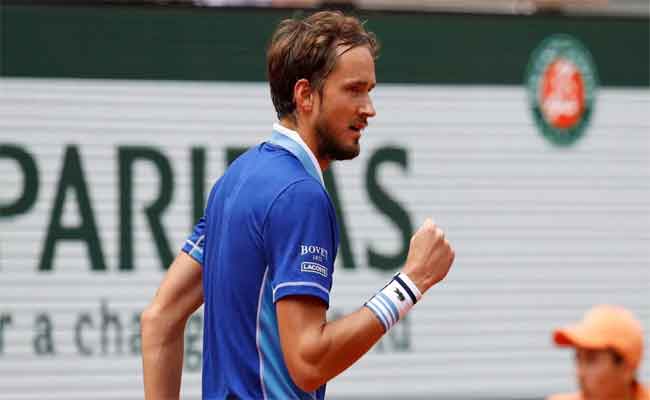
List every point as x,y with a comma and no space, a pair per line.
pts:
304,250
314,268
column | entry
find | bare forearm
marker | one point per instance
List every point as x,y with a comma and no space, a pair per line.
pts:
346,340
163,326
162,357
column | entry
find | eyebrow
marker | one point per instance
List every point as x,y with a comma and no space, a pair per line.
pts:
363,82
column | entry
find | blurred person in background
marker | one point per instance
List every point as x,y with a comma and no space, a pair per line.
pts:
608,345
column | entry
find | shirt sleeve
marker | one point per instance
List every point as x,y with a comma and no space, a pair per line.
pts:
193,246
300,240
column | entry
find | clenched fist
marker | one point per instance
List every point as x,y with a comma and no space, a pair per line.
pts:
430,256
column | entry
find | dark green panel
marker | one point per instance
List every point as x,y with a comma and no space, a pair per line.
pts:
137,43
228,44
496,49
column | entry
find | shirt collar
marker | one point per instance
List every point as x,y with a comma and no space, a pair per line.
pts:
310,162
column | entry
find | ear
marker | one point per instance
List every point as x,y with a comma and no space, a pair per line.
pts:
303,95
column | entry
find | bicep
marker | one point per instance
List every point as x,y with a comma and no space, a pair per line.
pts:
181,291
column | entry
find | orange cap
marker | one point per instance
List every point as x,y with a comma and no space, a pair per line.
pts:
603,327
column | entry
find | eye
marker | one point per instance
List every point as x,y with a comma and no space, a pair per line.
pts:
355,89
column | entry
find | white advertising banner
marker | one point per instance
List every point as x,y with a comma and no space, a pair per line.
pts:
101,180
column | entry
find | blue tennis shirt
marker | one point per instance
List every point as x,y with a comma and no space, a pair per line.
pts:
269,231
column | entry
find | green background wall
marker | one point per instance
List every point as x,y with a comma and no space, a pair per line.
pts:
228,44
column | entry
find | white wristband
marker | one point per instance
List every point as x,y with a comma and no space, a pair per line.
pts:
395,300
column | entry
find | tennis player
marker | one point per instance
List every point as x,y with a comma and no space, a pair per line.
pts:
262,257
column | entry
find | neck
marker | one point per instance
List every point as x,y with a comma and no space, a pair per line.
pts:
309,136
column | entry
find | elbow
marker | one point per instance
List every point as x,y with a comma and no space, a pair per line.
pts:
306,378
149,316
306,369
155,320
151,320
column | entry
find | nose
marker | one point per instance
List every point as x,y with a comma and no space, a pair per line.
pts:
368,110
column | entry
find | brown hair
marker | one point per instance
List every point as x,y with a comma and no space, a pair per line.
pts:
306,49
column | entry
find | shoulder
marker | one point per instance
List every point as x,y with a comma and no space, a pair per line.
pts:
280,159
300,201
306,186
265,158
565,396
303,193
273,167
